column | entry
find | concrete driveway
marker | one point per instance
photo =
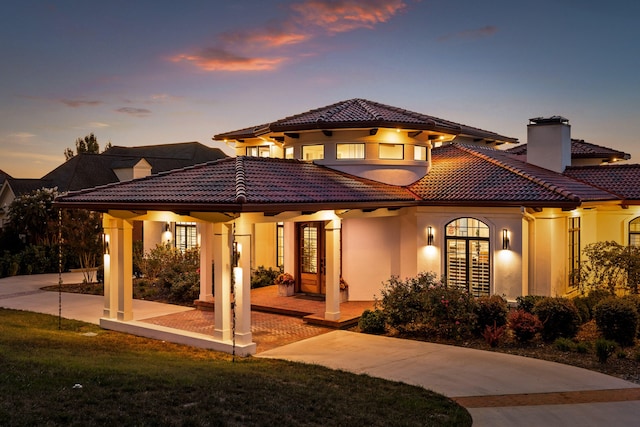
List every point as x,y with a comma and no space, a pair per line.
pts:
498,389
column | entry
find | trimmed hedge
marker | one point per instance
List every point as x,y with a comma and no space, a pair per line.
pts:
617,319
559,317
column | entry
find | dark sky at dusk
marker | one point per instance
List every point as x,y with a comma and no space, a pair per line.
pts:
140,72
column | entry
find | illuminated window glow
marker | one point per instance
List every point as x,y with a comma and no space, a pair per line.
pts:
391,151
312,152
350,151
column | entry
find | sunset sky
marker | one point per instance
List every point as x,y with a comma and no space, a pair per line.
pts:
140,72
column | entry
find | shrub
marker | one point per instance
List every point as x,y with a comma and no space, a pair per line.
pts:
559,317
582,347
635,300
617,319
604,349
262,277
564,344
493,334
490,311
524,325
527,302
372,322
586,304
421,305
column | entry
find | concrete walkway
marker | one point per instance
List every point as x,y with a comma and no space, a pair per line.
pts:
497,389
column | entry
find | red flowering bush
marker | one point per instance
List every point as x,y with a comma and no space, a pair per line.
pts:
524,325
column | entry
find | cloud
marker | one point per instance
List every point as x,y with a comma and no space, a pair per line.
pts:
477,33
74,103
22,135
137,112
268,47
215,59
98,125
337,16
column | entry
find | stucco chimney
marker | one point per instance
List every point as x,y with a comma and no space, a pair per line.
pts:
549,143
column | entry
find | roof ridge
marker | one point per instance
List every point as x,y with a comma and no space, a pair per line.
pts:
369,108
241,184
333,110
520,172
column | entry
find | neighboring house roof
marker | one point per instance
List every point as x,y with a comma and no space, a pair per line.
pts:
580,149
87,170
462,174
619,179
4,175
21,186
361,113
244,184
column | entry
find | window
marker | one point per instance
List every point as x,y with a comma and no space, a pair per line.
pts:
280,244
259,151
467,255
186,236
574,250
350,151
312,152
419,152
634,232
288,153
391,151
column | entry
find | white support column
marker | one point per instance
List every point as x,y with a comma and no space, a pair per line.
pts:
332,298
125,270
110,269
206,260
222,282
243,289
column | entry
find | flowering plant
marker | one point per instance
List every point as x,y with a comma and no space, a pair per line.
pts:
285,279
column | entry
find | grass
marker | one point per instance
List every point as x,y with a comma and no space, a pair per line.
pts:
83,375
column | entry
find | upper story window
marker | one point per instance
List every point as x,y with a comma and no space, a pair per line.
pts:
288,153
419,152
391,151
313,152
259,151
350,151
634,232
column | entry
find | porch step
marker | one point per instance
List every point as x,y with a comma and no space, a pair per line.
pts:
342,323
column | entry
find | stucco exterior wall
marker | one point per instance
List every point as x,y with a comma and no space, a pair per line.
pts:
265,246
374,249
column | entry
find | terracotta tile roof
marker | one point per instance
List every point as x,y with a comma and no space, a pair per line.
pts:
580,149
361,113
622,180
243,184
470,174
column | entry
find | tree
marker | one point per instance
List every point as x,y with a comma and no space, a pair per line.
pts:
88,144
82,238
610,266
32,218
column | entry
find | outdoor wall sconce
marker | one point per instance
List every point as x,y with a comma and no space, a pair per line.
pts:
166,227
429,236
237,251
105,244
505,239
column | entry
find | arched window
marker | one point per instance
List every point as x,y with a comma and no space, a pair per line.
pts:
634,232
467,255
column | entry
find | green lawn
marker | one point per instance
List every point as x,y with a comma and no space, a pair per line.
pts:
83,375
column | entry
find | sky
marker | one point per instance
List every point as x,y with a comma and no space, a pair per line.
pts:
137,72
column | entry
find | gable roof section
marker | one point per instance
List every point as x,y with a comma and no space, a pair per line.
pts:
21,186
463,174
243,184
88,170
361,113
621,180
580,149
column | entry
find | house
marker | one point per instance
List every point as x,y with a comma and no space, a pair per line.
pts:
360,191
116,164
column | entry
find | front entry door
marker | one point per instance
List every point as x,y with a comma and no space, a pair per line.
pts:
311,257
